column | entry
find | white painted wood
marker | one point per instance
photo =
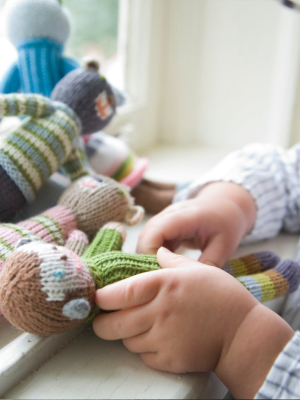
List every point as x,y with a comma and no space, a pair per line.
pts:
230,72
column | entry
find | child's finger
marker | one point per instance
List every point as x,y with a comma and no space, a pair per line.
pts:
217,251
170,226
122,324
167,259
130,292
141,344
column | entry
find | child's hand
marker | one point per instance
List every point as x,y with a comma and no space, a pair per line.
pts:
190,318
214,222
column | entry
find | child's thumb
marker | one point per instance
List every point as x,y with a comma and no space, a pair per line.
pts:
167,259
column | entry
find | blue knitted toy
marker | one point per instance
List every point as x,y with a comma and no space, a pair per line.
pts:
38,29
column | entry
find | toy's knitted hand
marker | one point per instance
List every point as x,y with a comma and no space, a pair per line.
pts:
56,288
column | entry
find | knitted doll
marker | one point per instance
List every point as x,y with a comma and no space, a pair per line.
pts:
38,29
81,102
82,209
48,289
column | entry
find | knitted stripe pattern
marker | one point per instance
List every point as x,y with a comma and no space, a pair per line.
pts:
274,283
77,242
252,263
53,226
44,57
264,275
35,150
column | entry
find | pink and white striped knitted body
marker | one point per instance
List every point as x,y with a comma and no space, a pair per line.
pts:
53,226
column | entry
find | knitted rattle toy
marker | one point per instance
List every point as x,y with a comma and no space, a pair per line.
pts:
82,209
38,29
81,102
48,289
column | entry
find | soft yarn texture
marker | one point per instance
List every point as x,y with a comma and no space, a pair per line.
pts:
42,144
64,284
39,30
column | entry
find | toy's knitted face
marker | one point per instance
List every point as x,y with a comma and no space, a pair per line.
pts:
31,19
94,202
41,282
90,95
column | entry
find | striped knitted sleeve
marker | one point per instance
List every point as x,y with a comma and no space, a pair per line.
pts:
271,175
283,380
75,167
30,105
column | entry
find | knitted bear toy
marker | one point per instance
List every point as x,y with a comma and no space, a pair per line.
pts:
81,102
39,30
82,209
47,289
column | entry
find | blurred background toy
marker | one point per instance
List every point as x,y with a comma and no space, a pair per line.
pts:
39,30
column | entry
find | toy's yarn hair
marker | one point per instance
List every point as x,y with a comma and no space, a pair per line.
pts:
56,294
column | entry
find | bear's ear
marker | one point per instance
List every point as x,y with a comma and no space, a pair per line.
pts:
90,63
134,215
24,241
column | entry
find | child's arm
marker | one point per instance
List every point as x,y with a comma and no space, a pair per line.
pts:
251,195
189,318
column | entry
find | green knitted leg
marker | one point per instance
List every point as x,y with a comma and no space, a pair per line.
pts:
275,282
18,104
251,264
109,238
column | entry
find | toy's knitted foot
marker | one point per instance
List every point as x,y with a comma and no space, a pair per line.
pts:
154,196
77,242
273,283
252,263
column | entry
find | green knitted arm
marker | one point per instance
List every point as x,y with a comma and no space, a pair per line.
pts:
109,238
108,268
74,165
31,105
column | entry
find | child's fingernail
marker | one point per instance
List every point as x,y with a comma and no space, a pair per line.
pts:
209,263
163,249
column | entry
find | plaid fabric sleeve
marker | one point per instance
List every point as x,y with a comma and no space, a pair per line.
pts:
283,381
271,175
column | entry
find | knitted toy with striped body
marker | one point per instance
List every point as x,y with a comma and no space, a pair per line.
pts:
48,140
48,289
39,30
86,206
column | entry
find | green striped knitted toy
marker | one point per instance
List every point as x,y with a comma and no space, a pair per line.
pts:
81,103
48,289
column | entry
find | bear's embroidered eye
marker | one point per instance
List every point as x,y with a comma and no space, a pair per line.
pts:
59,274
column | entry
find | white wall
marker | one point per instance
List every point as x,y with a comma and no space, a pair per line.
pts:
231,69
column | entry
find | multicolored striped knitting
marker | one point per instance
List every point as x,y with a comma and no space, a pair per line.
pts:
55,289
84,207
112,157
38,29
264,275
31,153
